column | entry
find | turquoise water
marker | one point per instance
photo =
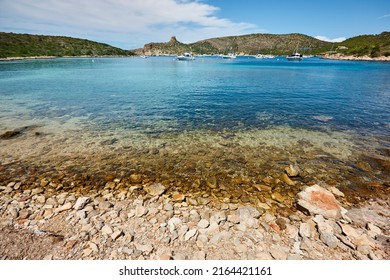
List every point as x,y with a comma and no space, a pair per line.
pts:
160,94
185,124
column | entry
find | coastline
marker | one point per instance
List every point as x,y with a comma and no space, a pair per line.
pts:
54,57
356,58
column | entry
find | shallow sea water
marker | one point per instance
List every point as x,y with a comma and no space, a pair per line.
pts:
181,123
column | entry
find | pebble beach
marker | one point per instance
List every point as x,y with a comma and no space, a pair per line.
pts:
68,196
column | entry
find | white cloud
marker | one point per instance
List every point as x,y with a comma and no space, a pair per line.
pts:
327,39
384,16
127,21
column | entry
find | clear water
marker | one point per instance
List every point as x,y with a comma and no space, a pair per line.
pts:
180,123
160,94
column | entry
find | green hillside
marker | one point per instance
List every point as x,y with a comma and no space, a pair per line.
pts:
26,45
370,45
245,44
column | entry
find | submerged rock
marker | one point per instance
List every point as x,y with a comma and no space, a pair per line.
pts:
211,182
156,189
287,180
317,200
292,170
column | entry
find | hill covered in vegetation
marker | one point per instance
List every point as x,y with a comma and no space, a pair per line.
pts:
277,44
245,44
27,45
366,45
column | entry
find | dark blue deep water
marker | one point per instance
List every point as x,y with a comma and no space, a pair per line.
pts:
161,94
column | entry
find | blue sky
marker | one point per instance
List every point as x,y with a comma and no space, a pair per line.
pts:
132,23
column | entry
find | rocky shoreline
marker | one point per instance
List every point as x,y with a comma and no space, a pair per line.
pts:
190,197
356,58
144,222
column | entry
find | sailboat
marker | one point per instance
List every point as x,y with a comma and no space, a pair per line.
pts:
295,56
186,57
228,56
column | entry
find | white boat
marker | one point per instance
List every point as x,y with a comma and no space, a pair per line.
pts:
186,57
262,56
228,56
295,56
143,56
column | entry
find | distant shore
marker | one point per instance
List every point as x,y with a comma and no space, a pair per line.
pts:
356,58
52,57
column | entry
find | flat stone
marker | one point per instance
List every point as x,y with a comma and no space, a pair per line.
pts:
323,225
146,248
241,227
178,197
155,189
66,206
168,207
350,231
48,257
287,180
241,248
363,249
218,217
292,170
278,197
51,201
87,252
11,184
14,212
211,182
183,230
116,234
38,191
190,234
329,239
203,224
81,202
317,200
336,192
40,199
192,201
223,235
235,219
307,229
93,247
6,189
126,250
173,223
24,214
346,241
136,178
278,253
44,182
105,205
17,185
373,230
140,211
86,228
249,211
203,200
199,255
294,257
292,231
107,230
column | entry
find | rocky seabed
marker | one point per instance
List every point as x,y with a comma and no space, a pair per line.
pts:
158,226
